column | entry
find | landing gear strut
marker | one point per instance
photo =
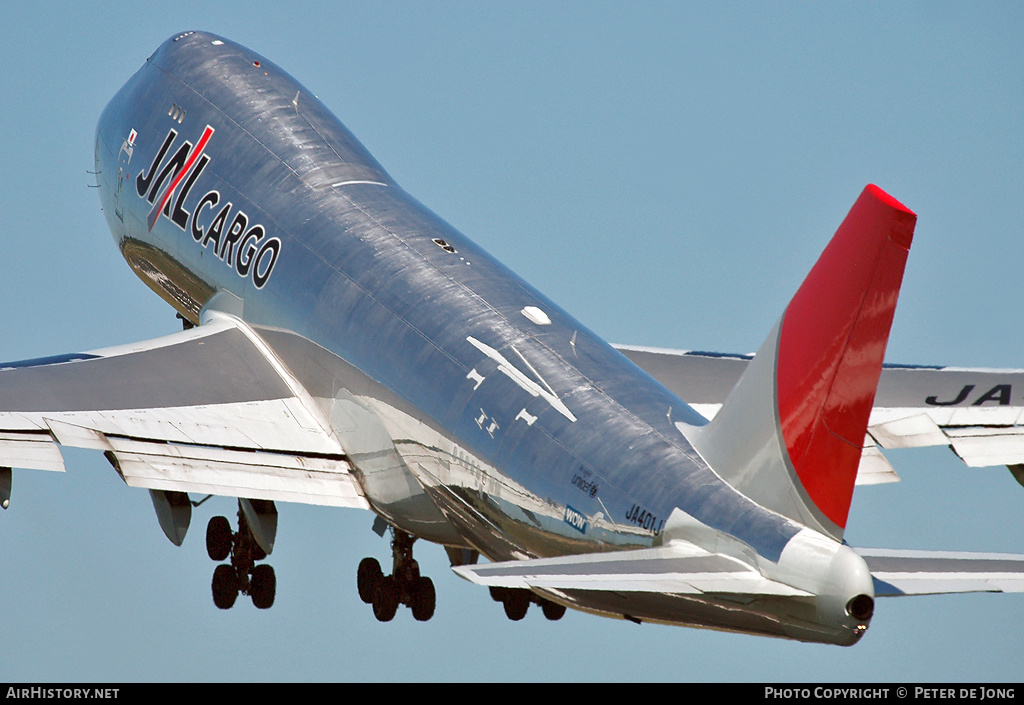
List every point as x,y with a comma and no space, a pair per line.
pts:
404,586
241,575
516,603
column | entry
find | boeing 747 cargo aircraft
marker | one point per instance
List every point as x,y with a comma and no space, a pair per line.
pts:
345,346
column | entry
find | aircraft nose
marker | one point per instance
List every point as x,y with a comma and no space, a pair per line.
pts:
190,51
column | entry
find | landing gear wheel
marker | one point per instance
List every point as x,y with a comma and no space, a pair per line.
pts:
385,599
242,575
225,587
367,578
516,603
263,586
552,610
218,538
424,600
405,585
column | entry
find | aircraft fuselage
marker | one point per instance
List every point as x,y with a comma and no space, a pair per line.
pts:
475,411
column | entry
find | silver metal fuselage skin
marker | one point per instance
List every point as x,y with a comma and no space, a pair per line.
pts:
469,422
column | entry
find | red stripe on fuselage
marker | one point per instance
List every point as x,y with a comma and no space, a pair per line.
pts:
158,208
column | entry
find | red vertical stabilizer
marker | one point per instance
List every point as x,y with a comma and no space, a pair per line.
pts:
831,346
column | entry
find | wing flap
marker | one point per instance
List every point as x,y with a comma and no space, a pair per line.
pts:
982,447
30,450
237,473
914,431
666,569
874,468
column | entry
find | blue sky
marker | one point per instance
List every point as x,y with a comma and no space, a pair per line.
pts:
668,172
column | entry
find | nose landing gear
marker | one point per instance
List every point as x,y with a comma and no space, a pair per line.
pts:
404,586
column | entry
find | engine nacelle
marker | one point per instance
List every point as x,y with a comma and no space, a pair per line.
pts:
174,512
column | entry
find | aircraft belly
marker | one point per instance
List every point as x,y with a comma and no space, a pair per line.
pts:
353,402
424,480
786,617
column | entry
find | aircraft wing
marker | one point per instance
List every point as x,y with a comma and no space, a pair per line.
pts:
208,410
672,569
934,572
979,413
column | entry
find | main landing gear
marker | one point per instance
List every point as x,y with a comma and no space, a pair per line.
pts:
517,602
252,542
404,586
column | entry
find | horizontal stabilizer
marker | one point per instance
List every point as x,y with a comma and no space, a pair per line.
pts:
935,572
667,569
